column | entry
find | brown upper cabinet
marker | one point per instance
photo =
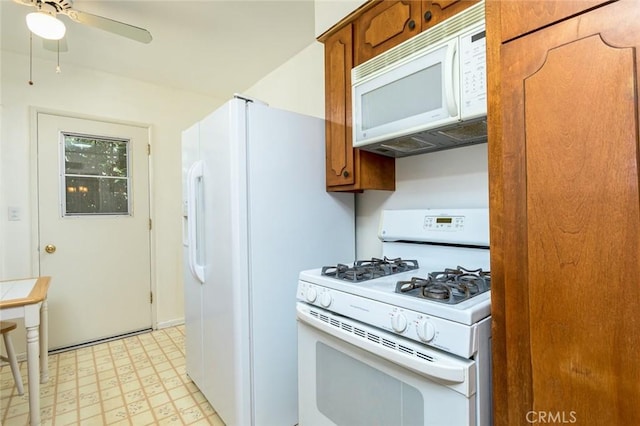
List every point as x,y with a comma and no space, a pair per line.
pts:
434,11
539,14
385,25
347,169
388,23
373,29
338,59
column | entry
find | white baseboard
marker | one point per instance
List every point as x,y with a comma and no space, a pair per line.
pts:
171,323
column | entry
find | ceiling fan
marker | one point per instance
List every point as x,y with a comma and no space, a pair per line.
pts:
44,23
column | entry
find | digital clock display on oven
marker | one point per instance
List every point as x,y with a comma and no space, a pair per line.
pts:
443,223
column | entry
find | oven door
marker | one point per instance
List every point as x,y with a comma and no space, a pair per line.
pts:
351,374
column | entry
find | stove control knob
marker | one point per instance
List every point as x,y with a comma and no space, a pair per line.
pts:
398,322
311,295
426,330
325,299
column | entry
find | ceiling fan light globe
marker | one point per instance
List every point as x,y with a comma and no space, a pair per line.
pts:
46,25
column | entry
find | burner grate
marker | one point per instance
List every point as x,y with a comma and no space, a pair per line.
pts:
449,286
363,270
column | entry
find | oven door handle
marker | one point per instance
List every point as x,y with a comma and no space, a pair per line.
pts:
430,369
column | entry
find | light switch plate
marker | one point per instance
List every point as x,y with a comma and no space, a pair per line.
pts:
14,213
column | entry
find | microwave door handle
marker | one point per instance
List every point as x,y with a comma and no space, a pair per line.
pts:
449,77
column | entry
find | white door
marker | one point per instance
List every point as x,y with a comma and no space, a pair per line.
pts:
94,227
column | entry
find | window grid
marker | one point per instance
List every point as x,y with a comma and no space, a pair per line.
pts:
95,177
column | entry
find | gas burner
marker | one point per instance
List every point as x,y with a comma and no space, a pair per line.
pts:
449,286
363,270
437,291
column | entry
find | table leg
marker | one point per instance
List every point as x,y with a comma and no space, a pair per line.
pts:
44,342
33,352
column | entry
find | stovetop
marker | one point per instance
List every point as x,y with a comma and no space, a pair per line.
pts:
467,300
451,286
428,300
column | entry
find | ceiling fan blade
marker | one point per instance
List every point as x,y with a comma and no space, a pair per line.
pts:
26,2
52,45
106,24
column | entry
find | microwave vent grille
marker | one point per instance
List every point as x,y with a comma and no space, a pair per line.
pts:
421,41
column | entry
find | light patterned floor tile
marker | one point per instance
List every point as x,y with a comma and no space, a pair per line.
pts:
143,419
165,410
158,399
134,396
70,418
136,381
191,415
93,421
90,411
116,415
178,393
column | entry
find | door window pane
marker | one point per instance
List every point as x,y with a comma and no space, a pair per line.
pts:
96,176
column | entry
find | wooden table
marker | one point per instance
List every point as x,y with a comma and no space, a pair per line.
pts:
27,299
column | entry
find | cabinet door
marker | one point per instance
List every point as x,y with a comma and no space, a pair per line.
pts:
436,11
521,17
385,25
566,270
339,150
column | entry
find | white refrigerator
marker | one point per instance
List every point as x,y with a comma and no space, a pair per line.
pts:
255,214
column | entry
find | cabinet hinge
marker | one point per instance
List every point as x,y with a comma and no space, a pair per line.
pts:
150,224
148,149
151,297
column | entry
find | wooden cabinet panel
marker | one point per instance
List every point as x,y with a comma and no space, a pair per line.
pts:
339,150
569,224
521,17
383,26
436,11
389,23
347,169
565,208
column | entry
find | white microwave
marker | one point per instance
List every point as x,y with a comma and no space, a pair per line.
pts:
426,94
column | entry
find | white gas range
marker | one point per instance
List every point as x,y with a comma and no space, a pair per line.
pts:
405,339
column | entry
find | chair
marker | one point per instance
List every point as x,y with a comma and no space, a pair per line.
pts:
5,328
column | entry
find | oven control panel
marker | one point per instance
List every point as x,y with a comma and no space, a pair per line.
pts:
453,226
453,337
443,223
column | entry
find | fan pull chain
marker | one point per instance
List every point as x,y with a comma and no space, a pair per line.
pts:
30,58
58,66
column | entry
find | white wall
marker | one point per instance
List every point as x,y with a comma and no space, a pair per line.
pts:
297,85
330,12
456,178
1,167
89,92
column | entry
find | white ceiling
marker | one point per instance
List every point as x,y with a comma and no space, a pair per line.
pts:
213,47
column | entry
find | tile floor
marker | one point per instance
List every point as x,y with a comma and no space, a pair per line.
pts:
138,380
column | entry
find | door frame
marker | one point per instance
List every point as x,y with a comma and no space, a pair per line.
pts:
34,192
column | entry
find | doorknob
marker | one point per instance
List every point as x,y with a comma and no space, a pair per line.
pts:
50,248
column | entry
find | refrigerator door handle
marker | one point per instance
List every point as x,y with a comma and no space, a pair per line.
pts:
194,176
